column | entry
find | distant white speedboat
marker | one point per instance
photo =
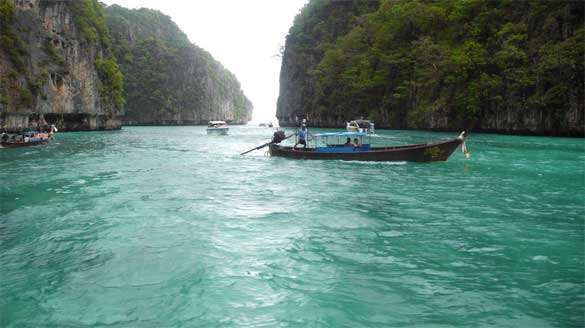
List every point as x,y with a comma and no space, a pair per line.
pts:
217,127
360,126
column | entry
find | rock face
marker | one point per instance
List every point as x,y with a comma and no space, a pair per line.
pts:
506,67
58,66
49,67
168,80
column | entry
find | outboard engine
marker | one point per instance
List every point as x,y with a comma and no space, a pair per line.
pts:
278,136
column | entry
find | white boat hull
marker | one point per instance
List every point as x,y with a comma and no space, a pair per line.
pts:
218,131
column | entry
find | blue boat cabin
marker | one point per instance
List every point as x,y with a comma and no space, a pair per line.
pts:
341,148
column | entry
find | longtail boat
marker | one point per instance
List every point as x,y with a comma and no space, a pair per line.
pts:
26,140
425,152
10,144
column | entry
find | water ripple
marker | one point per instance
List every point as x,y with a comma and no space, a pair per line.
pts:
166,227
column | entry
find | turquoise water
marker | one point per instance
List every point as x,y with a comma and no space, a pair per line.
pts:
169,227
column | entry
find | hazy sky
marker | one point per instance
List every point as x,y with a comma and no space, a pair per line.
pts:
244,35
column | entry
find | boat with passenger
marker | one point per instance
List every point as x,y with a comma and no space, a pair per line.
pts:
24,139
217,127
360,126
329,146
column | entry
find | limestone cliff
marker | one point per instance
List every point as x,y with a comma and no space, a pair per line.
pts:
490,66
169,80
56,67
318,24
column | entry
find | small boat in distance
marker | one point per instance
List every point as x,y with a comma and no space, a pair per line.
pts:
359,151
265,125
25,139
217,127
360,126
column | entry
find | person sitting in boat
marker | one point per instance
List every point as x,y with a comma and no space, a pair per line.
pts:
347,142
356,142
4,136
302,134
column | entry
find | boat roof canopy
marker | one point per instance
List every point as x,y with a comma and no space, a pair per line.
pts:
217,122
30,133
341,134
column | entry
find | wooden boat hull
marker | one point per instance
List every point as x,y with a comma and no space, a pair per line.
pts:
438,151
22,144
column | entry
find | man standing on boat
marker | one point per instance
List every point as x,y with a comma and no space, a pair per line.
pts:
302,136
52,132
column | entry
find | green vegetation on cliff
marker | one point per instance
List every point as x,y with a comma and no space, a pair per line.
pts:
490,65
89,18
12,93
168,79
111,78
10,41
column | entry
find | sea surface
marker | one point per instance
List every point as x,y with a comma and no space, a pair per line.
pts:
169,227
